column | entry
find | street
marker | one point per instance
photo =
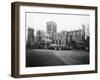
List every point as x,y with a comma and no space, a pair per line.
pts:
43,57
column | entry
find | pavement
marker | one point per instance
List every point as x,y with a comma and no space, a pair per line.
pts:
40,57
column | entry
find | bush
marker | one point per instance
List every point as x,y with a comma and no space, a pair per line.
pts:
59,48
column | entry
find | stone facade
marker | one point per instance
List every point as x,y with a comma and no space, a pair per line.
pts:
63,38
51,28
43,35
30,38
60,38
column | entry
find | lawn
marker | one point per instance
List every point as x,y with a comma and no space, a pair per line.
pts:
40,57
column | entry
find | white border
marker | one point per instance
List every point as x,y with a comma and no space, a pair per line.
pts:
53,69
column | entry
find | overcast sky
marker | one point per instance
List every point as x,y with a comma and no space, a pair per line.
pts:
38,21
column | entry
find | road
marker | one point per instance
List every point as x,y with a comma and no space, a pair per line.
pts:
39,57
